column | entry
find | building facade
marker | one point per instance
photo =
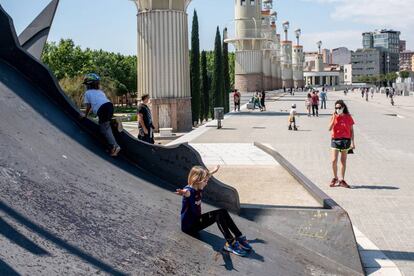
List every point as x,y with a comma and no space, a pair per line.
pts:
326,56
341,56
367,62
406,58
348,74
403,45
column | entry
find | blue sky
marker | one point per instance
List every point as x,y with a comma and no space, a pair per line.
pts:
111,24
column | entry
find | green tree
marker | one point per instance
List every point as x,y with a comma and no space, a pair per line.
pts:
404,74
218,80
391,77
195,71
226,75
205,87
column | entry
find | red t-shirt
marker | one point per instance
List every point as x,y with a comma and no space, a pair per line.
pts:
342,126
315,99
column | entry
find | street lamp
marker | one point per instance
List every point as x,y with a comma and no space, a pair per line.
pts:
298,32
286,28
319,43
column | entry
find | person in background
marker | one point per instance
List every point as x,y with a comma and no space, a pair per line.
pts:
292,118
145,126
315,104
236,98
97,102
308,103
324,97
263,100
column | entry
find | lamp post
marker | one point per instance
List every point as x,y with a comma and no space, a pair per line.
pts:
319,43
297,33
286,28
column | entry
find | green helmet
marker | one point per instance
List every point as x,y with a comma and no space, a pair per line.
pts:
91,78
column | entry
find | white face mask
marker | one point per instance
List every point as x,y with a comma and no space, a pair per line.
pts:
339,111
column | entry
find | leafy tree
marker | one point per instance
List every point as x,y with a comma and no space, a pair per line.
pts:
205,88
218,80
391,77
195,70
226,75
404,74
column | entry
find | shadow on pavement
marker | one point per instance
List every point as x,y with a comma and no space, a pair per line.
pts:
57,241
5,269
14,236
217,244
367,187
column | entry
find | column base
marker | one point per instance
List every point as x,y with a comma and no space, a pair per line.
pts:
267,83
299,83
172,113
287,83
249,82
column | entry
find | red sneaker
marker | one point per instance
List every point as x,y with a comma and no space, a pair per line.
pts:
333,182
342,183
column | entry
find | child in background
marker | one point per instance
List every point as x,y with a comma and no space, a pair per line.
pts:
192,221
292,118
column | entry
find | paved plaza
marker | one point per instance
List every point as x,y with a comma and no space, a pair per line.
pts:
381,201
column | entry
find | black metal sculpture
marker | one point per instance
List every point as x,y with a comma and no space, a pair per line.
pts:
34,37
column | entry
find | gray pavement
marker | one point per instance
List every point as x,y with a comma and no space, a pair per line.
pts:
381,203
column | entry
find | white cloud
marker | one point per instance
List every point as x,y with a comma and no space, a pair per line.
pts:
378,14
351,39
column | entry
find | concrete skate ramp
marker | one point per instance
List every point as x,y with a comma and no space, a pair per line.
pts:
171,164
66,208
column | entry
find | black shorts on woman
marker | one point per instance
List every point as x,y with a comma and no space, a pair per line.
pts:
341,144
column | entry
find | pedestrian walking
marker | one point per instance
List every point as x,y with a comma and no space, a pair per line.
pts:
257,100
308,103
145,126
236,99
366,94
315,104
192,221
387,92
97,102
343,141
263,100
372,92
324,98
362,92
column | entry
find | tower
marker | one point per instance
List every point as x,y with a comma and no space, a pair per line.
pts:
297,62
163,61
286,61
268,45
248,42
319,58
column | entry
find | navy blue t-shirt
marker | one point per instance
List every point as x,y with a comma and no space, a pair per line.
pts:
191,208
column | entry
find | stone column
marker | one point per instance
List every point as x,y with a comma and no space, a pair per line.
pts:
163,62
297,66
286,64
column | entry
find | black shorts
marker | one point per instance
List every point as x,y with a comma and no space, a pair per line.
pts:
105,112
341,144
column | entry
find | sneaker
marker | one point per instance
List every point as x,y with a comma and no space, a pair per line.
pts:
244,243
333,182
342,183
115,151
235,249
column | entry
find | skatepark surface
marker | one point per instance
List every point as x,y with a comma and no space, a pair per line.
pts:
66,208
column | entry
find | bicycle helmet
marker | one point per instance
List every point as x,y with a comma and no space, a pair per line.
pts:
293,105
91,78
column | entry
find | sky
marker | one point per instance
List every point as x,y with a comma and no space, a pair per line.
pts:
111,24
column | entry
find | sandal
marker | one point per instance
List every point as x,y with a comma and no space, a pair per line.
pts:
342,183
333,182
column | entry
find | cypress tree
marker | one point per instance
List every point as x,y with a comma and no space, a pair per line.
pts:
218,80
195,70
205,87
226,74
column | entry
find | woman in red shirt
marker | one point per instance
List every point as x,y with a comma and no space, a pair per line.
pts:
342,142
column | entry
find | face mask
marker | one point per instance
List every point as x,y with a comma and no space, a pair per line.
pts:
339,111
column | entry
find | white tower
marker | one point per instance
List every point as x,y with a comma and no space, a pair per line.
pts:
163,61
268,45
319,58
297,62
248,42
286,62
276,70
